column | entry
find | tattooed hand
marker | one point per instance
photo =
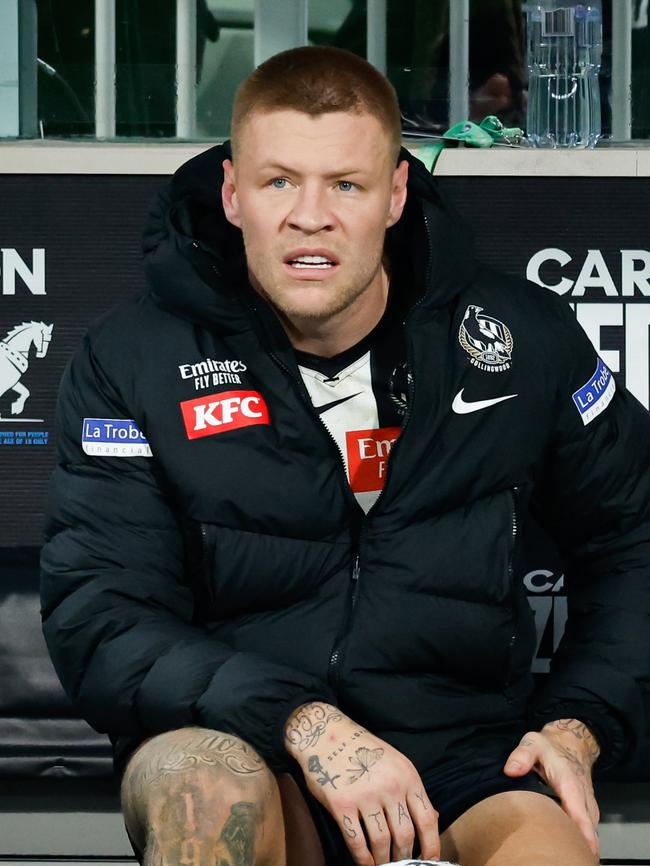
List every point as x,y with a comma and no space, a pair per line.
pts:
563,753
373,792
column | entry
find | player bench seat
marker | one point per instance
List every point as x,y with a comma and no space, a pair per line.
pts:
58,802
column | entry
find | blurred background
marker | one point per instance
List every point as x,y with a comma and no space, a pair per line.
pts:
168,69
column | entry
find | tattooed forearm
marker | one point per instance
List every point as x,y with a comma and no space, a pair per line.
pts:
238,834
314,766
188,753
580,731
308,724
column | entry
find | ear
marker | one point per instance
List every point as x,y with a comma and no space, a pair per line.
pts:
229,194
398,193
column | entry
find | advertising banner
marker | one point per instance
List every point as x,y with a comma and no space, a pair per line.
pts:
69,250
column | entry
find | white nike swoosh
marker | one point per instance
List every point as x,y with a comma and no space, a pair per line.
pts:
461,407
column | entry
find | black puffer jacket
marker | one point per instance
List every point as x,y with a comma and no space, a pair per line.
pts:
213,583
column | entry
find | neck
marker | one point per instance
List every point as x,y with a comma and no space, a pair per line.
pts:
18,344
342,330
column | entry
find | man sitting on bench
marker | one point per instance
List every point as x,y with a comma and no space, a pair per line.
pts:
282,553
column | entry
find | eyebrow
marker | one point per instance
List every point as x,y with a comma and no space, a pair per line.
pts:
283,169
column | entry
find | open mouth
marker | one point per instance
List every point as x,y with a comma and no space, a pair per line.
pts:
311,262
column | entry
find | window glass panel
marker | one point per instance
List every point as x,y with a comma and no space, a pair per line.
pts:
66,51
225,56
417,61
9,119
338,22
640,69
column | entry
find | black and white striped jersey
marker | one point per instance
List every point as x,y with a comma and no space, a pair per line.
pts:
361,397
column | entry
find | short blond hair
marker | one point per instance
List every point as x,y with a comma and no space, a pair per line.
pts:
318,80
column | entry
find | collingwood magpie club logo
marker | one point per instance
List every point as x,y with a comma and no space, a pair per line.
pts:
487,341
399,387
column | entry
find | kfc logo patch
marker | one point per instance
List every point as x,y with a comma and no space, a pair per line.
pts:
368,452
217,413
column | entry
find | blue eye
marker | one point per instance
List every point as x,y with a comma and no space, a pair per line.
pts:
279,183
345,185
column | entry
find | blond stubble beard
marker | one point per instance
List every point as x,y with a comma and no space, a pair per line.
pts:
343,296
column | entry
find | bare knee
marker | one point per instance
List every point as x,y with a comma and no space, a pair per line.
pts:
199,796
516,828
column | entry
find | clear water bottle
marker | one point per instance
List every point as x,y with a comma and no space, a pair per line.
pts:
563,52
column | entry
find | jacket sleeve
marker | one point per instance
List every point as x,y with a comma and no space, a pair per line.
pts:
117,617
595,500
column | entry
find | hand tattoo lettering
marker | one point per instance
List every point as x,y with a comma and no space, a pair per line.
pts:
362,761
336,752
314,766
421,799
376,815
342,746
402,814
309,723
349,829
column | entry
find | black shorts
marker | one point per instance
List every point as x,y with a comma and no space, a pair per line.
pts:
452,791
453,788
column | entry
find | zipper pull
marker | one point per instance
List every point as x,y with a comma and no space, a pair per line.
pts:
355,568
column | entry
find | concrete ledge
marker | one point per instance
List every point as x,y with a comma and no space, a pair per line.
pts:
143,158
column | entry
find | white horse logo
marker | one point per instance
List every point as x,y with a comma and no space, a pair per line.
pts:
14,358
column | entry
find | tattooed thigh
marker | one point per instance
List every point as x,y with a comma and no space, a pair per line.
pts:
197,796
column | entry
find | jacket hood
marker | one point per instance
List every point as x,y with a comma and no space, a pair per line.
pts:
195,261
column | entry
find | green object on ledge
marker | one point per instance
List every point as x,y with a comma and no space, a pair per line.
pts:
469,134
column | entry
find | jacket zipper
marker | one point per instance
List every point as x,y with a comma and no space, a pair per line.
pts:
335,655
337,650
205,566
514,529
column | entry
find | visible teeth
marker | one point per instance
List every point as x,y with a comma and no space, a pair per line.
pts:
323,266
313,260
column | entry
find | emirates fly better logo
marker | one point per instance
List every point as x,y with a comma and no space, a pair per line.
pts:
217,413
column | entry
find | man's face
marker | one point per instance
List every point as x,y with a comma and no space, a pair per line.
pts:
313,198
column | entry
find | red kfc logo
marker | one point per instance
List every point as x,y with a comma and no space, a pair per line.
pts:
368,452
216,413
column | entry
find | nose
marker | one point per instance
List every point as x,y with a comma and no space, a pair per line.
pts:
310,212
